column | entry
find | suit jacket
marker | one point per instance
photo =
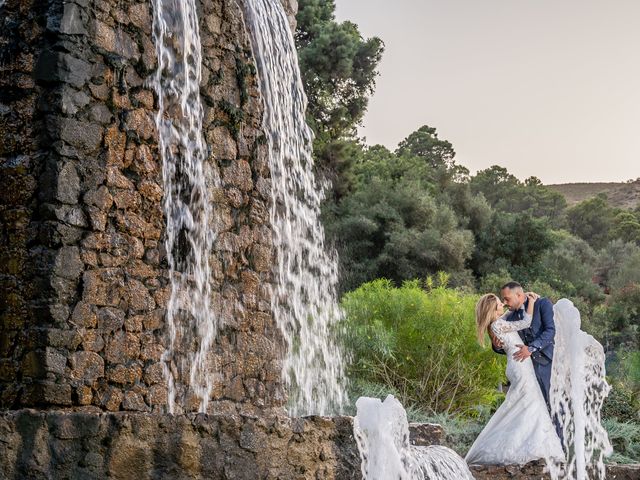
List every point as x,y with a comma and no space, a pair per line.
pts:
540,334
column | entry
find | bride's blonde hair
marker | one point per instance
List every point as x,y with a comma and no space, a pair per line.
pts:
485,314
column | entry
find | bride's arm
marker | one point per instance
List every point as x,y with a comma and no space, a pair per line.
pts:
503,326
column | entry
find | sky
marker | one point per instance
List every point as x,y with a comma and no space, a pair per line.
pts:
549,88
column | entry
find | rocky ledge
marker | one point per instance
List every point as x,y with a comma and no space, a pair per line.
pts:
535,471
238,444
246,444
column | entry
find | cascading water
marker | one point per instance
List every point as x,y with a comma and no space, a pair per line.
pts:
382,434
304,299
191,322
578,390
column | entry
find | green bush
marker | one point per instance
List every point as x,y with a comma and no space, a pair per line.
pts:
620,405
625,438
420,343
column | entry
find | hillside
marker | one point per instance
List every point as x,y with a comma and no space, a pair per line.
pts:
624,195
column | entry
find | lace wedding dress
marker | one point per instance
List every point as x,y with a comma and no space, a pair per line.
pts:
521,429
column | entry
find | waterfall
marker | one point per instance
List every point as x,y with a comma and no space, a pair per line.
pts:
190,320
304,298
578,390
382,435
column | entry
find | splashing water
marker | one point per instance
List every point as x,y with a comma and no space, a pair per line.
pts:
382,434
578,390
304,301
189,237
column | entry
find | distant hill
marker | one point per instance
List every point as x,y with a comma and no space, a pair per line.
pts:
624,195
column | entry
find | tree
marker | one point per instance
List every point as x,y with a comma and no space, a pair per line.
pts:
569,268
626,227
506,193
495,183
424,143
592,220
515,243
612,259
338,69
393,225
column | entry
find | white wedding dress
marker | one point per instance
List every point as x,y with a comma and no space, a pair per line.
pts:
521,429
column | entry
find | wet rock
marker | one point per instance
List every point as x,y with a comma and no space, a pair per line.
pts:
125,375
110,319
71,22
223,145
54,360
84,316
92,341
139,15
134,401
121,347
86,366
235,390
62,67
99,197
64,339
111,399
101,114
423,434
101,287
84,394
80,134
68,263
73,100
68,189
150,190
140,121
115,41
239,175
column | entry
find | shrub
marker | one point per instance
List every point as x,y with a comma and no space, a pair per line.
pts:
420,343
625,438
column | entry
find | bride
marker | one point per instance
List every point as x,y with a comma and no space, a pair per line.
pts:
521,430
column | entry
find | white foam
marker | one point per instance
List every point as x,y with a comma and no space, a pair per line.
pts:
382,434
578,390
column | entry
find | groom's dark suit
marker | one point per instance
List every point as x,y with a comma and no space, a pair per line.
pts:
539,337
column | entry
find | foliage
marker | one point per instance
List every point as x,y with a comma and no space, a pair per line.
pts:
338,69
625,439
391,226
592,220
626,227
618,319
421,345
612,259
569,268
425,144
506,193
622,404
512,243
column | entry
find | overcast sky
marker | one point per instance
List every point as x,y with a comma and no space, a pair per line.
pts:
549,88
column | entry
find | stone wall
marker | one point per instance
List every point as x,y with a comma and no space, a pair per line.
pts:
129,445
83,275
41,445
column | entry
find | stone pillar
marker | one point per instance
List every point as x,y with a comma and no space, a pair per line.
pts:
83,275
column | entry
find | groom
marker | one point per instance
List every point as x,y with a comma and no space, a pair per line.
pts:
537,339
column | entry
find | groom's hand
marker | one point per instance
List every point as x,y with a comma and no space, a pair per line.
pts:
522,354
